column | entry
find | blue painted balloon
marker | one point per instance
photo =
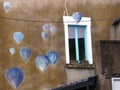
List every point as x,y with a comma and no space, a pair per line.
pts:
44,35
52,29
46,27
25,53
77,17
14,76
12,50
7,5
18,37
52,57
41,62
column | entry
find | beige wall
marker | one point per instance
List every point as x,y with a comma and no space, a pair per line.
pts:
48,10
115,31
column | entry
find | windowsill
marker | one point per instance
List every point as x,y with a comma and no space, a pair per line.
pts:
82,65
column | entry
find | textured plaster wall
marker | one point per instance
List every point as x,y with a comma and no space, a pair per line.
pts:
47,10
78,74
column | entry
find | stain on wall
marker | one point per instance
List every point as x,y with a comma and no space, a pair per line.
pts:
29,18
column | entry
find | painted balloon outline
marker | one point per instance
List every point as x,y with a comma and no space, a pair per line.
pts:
10,79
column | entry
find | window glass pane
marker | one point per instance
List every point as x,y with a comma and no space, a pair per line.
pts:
81,43
71,32
81,49
71,35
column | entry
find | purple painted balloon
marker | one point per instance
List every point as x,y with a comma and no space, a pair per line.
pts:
25,53
52,57
41,62
14,76
77,17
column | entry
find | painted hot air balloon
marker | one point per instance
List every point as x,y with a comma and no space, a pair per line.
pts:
6,6
25,53
44,35
14,76
52,57
12,50
52,29
41,62
18,37
77,17
46,27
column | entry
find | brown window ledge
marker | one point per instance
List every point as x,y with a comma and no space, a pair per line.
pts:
82,65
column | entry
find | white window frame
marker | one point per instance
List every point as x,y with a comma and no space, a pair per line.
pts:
113,82
85,21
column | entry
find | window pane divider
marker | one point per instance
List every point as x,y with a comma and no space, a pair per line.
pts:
77,44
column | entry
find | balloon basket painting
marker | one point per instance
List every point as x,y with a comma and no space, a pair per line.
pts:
14,76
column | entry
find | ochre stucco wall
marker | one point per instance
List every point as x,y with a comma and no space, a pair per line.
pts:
47,11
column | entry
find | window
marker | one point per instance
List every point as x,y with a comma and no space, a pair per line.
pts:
115,29
115,83
78,40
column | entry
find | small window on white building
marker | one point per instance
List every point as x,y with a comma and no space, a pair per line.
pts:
78,44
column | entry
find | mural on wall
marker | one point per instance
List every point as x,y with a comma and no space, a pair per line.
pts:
77,17
18,37
41,62
25,53
12,50
52,29
46,28
52,57
14,76
6,6
44,35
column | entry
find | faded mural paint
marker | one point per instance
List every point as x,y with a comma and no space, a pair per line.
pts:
48,12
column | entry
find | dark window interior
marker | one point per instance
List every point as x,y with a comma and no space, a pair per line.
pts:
81,49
